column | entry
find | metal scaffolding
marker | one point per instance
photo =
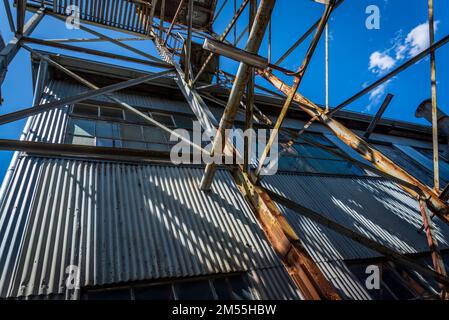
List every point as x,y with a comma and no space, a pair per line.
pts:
171,26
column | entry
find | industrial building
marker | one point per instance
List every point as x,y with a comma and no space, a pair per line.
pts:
92,206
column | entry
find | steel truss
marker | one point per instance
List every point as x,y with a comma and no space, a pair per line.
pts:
175,39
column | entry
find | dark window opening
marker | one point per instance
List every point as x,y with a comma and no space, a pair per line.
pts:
231,287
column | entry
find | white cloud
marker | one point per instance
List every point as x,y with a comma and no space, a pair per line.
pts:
418,39
376,95
415,42
379,62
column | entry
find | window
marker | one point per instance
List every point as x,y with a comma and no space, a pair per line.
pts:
305,157
112,127
231,287
396,282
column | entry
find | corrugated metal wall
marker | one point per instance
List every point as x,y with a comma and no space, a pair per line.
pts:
374,207
122,222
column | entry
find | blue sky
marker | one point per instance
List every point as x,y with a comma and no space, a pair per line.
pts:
358,56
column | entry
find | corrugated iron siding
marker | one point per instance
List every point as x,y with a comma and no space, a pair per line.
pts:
122,222
374,207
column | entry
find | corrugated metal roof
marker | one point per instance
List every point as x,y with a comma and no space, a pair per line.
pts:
374,207
120,222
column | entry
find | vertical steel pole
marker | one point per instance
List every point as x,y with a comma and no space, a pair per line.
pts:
189,40
436,178
249,99
326,61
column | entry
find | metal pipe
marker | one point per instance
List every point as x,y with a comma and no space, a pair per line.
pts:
433,83
241,80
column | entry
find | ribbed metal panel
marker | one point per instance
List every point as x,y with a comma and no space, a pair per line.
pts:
372,206
67,89
122,222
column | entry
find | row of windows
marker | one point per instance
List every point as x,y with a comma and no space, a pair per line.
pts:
234,287
113,127
304,157
397,282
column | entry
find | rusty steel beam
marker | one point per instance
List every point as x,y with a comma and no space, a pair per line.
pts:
254,42
222,38
437,261
178,11
303,270
365,241
298,78
439,207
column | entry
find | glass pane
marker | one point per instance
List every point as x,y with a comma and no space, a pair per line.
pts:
240,290
162,292
131,132
85,110
222,289
164,119
111,113
317,138
82,127
121,294
184,122
158,147
133,145
314,152
334,167
194,290
154,134
83,141
395,284
132,117
105,129
104,142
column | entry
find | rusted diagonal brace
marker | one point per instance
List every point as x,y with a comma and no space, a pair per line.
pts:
297,82
437,261
380,161
301,267
367,242
221,38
